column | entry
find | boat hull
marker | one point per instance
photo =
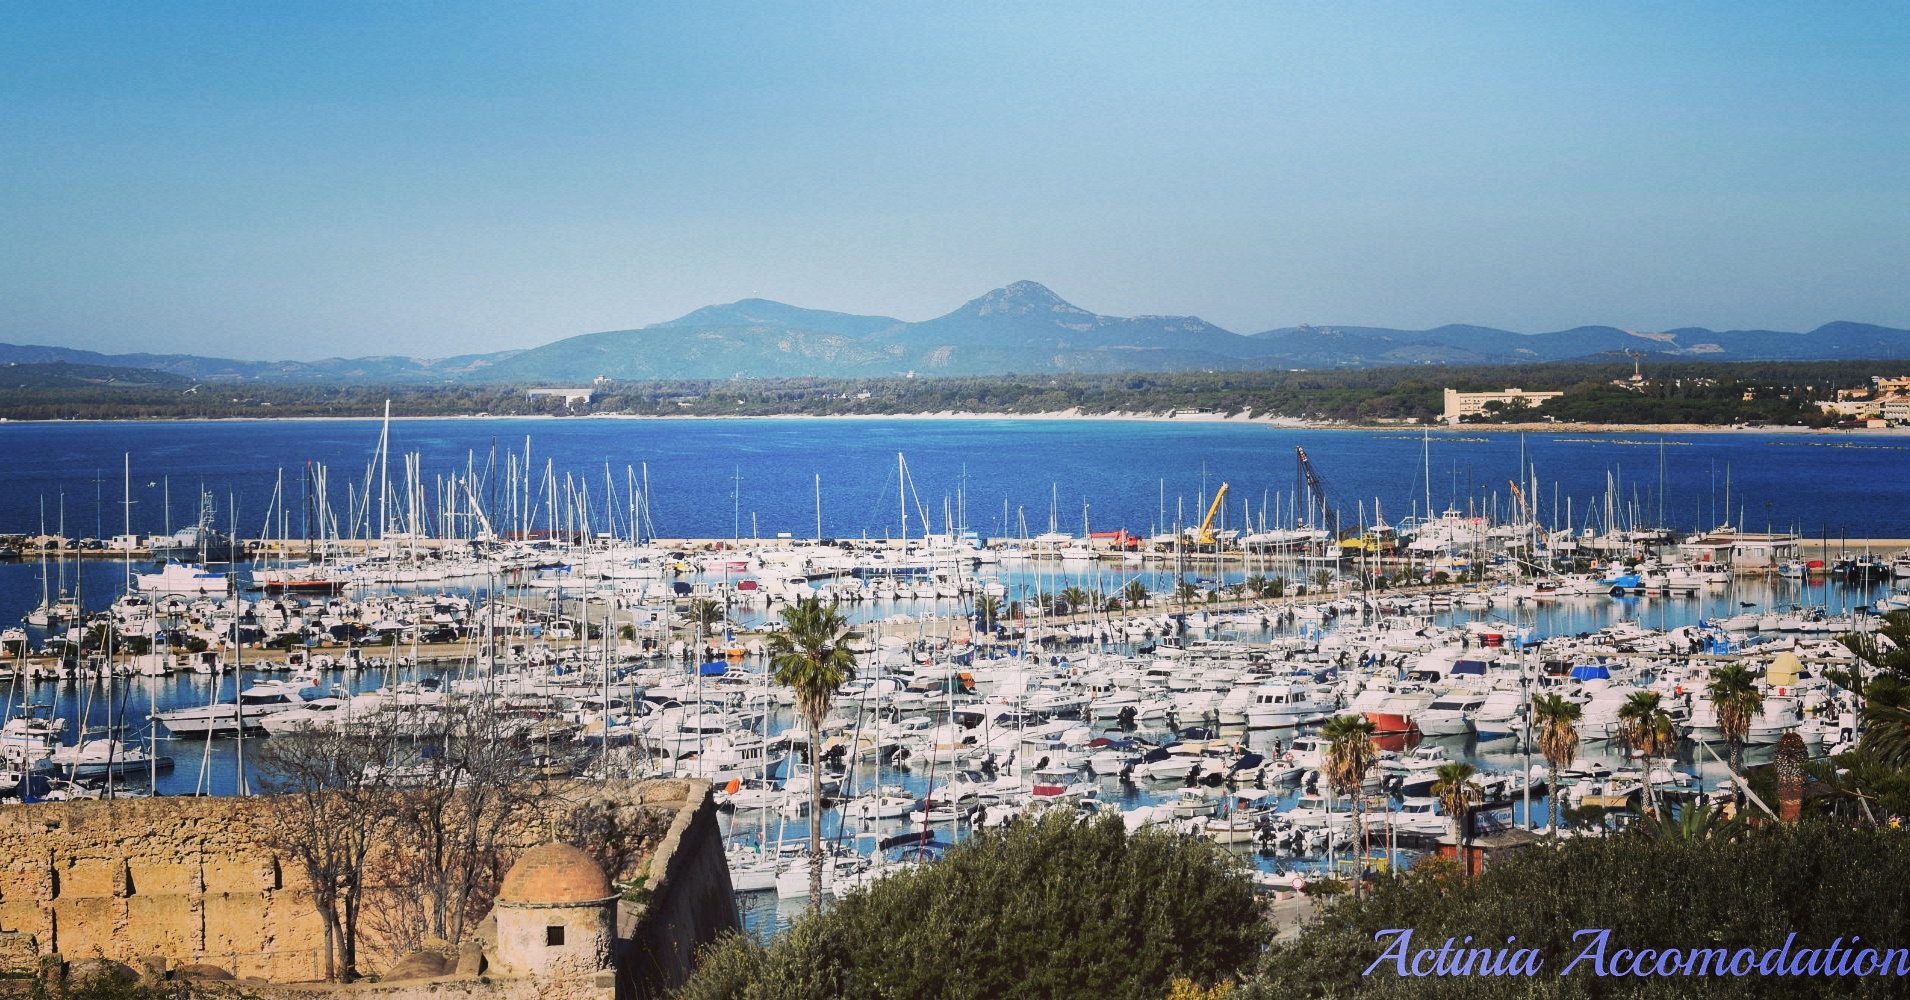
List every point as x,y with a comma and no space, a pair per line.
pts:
1391,723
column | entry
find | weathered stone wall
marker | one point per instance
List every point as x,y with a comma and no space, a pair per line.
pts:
183,878
189,880
687,901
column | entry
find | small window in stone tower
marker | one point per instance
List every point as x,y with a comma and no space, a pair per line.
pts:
554,936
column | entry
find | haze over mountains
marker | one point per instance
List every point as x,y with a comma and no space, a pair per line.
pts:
1023,328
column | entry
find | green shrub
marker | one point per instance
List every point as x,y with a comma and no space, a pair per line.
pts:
1047,909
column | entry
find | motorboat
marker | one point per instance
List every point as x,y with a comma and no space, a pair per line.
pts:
182,578
1450,714
247,712
98,758
1279,705
317,715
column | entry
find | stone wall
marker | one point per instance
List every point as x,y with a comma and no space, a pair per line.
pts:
687,900
189,880
183,878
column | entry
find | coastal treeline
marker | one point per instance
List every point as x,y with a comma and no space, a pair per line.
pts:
1672,392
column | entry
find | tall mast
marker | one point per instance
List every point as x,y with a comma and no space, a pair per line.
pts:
384,471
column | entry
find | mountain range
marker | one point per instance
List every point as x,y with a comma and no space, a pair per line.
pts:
1022,328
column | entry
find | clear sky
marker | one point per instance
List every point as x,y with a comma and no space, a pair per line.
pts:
300,180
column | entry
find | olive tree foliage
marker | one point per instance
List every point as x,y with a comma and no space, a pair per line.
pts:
1731,888
1049,908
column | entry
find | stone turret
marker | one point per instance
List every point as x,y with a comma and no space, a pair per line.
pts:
556,915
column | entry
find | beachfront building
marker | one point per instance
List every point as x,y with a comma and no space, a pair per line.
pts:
1725,547
570,395
1472,404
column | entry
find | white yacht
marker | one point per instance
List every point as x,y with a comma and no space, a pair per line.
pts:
1450,714
250,710
98,758
181,578
1277,705
320,714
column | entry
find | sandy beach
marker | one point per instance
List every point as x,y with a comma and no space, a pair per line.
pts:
1190,417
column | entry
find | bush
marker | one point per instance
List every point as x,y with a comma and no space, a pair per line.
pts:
1045,909
1816,879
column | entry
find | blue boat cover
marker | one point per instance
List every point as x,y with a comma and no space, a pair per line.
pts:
1469,667
1593,672
714,668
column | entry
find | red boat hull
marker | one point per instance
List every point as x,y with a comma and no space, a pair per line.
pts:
1391,722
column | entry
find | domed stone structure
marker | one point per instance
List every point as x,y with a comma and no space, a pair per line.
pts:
556,914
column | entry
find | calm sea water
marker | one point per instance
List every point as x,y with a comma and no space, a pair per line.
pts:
718,478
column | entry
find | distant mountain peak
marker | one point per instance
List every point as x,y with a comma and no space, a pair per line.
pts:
1023,298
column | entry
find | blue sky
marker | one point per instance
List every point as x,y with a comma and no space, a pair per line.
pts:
298,180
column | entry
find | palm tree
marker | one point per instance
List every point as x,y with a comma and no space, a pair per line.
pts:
1696,821
1350,753
1134,595
1453,787
705,612
1646,728
987,612
1257,585
811,655
1321,578
1075,598
1789,760
1734,695
1557,721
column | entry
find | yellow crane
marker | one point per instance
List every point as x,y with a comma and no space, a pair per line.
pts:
1205,536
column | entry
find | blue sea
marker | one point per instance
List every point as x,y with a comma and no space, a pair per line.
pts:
724,478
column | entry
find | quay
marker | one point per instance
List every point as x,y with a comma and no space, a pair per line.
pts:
1037,630
1189,557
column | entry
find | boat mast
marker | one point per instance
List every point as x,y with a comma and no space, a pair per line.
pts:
384,471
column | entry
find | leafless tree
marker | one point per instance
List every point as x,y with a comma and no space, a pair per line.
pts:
328,812
468,782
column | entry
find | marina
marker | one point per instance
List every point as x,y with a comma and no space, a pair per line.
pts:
1173,677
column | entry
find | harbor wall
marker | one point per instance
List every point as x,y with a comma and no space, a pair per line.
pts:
193,881
684,903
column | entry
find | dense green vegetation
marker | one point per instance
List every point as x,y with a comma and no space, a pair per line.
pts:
1730,890
1682,392
1045,909
1058,910
1874,779
1713,399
